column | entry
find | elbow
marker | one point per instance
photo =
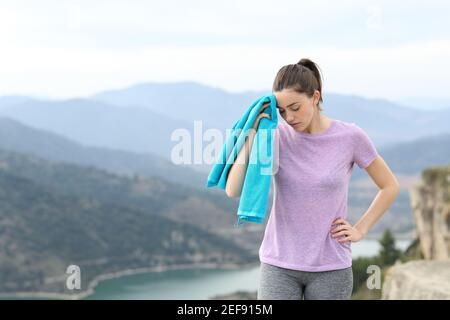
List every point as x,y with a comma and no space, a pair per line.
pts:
395,188
396,185
231,193
392,188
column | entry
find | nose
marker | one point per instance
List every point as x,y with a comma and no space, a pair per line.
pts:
290,119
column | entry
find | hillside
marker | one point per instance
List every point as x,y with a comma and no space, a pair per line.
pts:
43,230
15,136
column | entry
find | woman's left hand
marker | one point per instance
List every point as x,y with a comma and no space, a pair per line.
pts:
341,227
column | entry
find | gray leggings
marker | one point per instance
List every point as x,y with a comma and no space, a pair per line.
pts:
276,283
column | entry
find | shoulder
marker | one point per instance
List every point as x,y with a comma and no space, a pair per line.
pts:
281,127
344,128
351,128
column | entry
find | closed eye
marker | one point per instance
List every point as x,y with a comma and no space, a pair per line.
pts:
281,111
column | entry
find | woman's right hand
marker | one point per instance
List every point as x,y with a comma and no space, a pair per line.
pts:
258,118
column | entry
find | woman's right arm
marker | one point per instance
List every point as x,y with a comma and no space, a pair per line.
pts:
236,174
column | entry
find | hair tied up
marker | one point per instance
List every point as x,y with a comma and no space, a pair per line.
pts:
314,68
303,77
307,64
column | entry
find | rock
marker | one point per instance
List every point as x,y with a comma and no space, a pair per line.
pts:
428,278
418,280
430,202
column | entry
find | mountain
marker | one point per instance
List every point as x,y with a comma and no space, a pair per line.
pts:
384,120
136,129
12,100
186,100
153,195
415,156
142,118
406,157
17,137
426,103
53,215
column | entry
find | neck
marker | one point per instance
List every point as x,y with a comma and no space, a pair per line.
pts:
318,123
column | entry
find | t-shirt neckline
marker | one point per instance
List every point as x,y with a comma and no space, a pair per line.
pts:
312,135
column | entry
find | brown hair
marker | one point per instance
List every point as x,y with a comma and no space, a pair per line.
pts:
302,77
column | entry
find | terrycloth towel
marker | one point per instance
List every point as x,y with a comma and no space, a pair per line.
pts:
253,200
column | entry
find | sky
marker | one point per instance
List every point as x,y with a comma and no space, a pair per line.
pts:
394,50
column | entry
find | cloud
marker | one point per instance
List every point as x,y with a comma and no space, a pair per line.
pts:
370,48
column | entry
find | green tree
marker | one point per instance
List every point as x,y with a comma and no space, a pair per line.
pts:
388,253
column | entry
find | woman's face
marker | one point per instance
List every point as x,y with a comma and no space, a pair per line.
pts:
297,109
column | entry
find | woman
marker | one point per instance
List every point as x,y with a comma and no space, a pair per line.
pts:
306,249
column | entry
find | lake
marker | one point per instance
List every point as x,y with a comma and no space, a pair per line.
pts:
200,283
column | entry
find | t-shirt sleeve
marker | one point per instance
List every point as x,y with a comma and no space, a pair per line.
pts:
364,151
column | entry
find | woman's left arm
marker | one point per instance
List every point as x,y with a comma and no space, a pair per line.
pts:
389,187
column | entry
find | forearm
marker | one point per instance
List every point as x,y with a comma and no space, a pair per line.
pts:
236,175
382,201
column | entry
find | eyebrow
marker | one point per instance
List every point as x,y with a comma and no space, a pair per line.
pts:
288,105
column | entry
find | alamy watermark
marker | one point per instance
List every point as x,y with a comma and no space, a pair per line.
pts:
73,281
206,146
374,280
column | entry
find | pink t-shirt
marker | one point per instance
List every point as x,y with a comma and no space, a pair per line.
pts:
310,192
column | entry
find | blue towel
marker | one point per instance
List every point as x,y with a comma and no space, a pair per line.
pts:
253,199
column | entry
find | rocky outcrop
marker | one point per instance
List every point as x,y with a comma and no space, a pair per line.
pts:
430,202
427,278
419,280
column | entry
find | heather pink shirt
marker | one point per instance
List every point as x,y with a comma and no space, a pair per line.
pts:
310,192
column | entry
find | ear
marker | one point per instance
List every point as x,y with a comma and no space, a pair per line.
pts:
316,97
